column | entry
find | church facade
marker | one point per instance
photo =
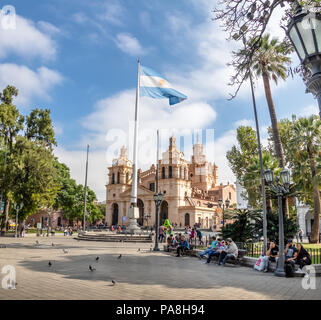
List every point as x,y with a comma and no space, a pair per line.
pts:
190,190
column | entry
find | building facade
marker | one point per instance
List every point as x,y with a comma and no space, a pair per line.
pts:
190,190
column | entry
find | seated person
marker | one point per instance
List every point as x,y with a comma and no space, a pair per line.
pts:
303,258
291,253
211,247
169,243
271,255
221,246
183,244
231,252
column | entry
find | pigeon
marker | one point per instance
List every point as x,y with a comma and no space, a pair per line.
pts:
119,256
92,268
64,250
49,264
37,243
151,249
113,282
138,249
53,244
97,259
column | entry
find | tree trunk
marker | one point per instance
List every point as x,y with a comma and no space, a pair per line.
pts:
316,201
276,133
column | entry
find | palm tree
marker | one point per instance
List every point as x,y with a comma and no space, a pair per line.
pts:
305,147
269,62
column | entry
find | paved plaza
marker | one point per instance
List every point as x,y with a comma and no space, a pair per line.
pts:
139,274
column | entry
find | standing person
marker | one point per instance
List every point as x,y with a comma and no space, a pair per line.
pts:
183,244
303,257
22,234
192,235
301,235
200,236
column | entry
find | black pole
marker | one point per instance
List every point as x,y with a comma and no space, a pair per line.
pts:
156,201
280,266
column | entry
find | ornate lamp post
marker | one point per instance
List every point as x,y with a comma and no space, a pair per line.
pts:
281,190
158,198
304,32
221,205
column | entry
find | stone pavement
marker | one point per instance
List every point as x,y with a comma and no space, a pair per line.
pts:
138,274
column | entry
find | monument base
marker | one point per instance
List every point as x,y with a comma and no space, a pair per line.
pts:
133,214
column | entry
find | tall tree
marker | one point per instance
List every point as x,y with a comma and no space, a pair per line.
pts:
33,175
11,122
39,127
305,160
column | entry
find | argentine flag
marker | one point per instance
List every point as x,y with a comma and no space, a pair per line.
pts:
155,86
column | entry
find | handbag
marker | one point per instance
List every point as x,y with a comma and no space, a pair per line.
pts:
259,264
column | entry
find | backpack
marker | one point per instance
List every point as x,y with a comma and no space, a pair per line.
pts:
289,270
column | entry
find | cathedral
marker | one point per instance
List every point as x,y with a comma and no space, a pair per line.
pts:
190,190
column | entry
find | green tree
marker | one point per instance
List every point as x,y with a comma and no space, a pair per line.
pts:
241,156
304,147
39,127
11,122
33,175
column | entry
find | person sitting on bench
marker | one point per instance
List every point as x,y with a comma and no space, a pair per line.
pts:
303,257
210,248
182,246
230,253
221,246
271,255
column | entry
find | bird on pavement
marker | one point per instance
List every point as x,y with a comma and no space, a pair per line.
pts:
138,249
97,259
119,257
113,282
64,250
37,243
49,264
91,268
53,244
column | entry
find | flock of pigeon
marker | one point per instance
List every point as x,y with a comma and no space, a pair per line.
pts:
91,268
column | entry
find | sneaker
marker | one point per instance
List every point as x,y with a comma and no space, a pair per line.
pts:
265,270
299,271
205,262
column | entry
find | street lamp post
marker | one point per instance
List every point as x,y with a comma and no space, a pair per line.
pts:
17,208
221,205
158,198
281,190
304,31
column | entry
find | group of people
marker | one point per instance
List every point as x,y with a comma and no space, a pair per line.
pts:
193,233
293,255
68,231
221,249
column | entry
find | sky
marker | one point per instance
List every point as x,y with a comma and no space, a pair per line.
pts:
79,59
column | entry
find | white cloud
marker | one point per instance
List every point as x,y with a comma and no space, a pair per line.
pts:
30,83
27,41
76,161
309,110
48,28
112,12
129,44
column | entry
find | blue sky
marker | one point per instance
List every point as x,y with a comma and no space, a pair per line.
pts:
79,58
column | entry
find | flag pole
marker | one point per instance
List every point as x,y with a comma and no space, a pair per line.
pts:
85,200
134,211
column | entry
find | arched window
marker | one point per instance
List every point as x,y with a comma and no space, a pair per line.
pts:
163,173
170,172
187,219
118,177
113,179
127,177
